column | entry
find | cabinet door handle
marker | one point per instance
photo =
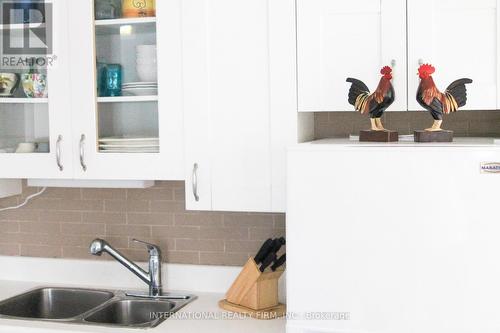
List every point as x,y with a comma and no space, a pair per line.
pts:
420,62
195,182
393,63
58,152
82,153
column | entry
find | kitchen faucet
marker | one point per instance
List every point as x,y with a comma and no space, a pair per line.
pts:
152,278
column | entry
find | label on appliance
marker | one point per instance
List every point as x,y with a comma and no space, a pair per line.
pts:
491,167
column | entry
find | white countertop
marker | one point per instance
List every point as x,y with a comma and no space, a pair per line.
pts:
213,319
332,144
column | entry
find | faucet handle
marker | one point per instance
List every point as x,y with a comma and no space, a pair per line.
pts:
153,250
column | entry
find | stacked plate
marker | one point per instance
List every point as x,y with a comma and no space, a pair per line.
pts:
129,145
140,89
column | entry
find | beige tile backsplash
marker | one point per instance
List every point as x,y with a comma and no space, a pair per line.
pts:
62,222
463,123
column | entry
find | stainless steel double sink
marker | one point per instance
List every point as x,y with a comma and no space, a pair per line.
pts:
92,307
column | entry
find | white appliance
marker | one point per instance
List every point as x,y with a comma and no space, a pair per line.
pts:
393,238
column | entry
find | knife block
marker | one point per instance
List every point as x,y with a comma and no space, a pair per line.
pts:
255,293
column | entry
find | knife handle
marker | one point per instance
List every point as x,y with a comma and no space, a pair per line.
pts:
278,263
268,261
277,244
264,251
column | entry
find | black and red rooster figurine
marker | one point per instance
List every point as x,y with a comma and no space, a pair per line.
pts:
374,104
436,102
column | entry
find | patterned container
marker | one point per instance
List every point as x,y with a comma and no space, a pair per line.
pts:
139,8
34,85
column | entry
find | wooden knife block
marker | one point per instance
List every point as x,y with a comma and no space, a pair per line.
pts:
255,293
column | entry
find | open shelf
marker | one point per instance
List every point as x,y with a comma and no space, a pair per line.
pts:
10,100
139,25
127,99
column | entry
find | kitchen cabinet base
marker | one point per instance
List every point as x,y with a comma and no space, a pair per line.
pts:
378,136
439,136
264,314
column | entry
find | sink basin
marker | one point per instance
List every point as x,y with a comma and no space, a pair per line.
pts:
133,312
53,303
93,307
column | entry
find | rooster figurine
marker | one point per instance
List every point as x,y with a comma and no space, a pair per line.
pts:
436,102
375,104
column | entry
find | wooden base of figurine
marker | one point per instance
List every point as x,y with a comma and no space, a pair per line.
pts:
378,136
438,136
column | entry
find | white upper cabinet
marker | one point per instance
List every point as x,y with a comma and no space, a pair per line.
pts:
227,104
35,131
340,39
76,132
239,102
147,51
461,39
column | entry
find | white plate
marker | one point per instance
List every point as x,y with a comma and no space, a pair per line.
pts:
132,89
130,151
139,88
126,145
140,92
124,139
142,87
140,145
140,84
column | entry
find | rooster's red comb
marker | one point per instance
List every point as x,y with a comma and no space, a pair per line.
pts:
386,70
426,69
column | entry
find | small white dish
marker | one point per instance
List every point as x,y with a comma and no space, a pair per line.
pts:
26,148
129,140
130,151
151,83
129,146
140,92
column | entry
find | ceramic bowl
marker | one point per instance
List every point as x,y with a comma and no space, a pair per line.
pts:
8,84
147,73
34,85
146,62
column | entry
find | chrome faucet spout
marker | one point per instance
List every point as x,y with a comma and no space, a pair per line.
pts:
152,278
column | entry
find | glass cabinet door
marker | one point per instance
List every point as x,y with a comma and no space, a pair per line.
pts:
130,89
34,100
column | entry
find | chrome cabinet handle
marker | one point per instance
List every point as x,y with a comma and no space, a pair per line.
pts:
420,62
393,63
82,153
58,152
195,182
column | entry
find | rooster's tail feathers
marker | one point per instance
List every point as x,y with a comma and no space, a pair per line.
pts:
358,94
456,94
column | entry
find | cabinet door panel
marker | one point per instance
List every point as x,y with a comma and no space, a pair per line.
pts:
43,122
233,89
197,121
344,39
156,117
460,38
